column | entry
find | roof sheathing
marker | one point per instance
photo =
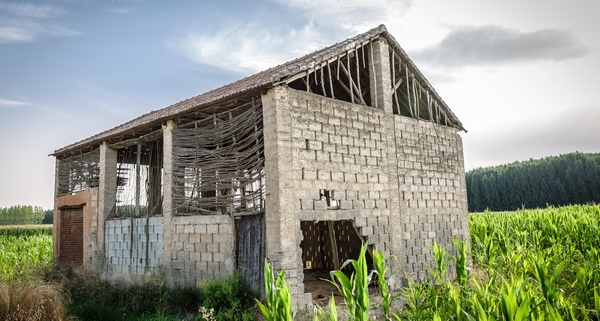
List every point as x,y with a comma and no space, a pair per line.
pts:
256,82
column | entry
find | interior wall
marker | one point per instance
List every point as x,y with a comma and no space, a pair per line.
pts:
322,238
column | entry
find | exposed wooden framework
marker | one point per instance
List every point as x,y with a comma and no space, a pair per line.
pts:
78,172
410,97
219,162
344,77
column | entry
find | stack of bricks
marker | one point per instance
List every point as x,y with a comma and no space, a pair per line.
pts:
201,249
134,254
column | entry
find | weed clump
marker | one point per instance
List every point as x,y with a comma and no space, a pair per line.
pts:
31,301
231,299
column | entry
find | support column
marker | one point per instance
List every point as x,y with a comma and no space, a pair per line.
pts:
56,220
381,86
381,76
168,206
107,200
283,233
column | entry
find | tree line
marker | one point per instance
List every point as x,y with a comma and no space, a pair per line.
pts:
555,180
25,214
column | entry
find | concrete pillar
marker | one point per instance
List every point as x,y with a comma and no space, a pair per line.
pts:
381,76
168,205
107,200
381,93
56,221
283,233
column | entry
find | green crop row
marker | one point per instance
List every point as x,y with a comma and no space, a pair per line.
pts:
526,265
23,256
25,230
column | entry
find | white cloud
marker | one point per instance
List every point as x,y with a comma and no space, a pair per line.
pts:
351,16
492,45
248,47
12,103
32,10
245,47
14,34
28,22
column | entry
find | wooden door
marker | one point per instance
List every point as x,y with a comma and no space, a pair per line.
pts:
71,237
250,250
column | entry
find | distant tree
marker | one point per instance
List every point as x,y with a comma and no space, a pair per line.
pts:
21,214
48,217
555,180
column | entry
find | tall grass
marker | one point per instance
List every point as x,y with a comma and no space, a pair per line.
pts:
32,301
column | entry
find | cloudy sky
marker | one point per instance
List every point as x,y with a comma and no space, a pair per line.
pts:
521,75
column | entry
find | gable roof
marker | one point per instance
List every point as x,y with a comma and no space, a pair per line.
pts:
259,81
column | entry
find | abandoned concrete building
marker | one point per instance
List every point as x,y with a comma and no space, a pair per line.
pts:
299,164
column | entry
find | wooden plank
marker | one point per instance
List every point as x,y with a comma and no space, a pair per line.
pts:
250,251
334,248
353,85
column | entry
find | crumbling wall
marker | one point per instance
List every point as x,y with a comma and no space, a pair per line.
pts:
316,145
339,147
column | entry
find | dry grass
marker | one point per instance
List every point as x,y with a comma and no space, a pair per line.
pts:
31,301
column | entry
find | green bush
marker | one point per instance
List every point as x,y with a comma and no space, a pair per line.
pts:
90,295
231,299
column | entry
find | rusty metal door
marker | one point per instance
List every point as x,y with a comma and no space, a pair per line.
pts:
71,237
250,250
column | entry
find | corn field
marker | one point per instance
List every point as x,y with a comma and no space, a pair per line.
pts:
535,264
24,251
525,265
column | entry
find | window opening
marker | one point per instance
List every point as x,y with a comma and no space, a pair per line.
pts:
78,172
328,196
139,180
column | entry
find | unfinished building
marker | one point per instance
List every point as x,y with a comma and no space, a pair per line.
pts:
300,164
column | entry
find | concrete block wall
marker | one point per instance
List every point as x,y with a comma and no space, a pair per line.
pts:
315,143
340,147
131,253
201,248
432,191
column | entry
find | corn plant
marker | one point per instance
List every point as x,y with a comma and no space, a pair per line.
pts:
331,315
22,256
550,290
279,301
514,301
356,288
462,270
382,278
